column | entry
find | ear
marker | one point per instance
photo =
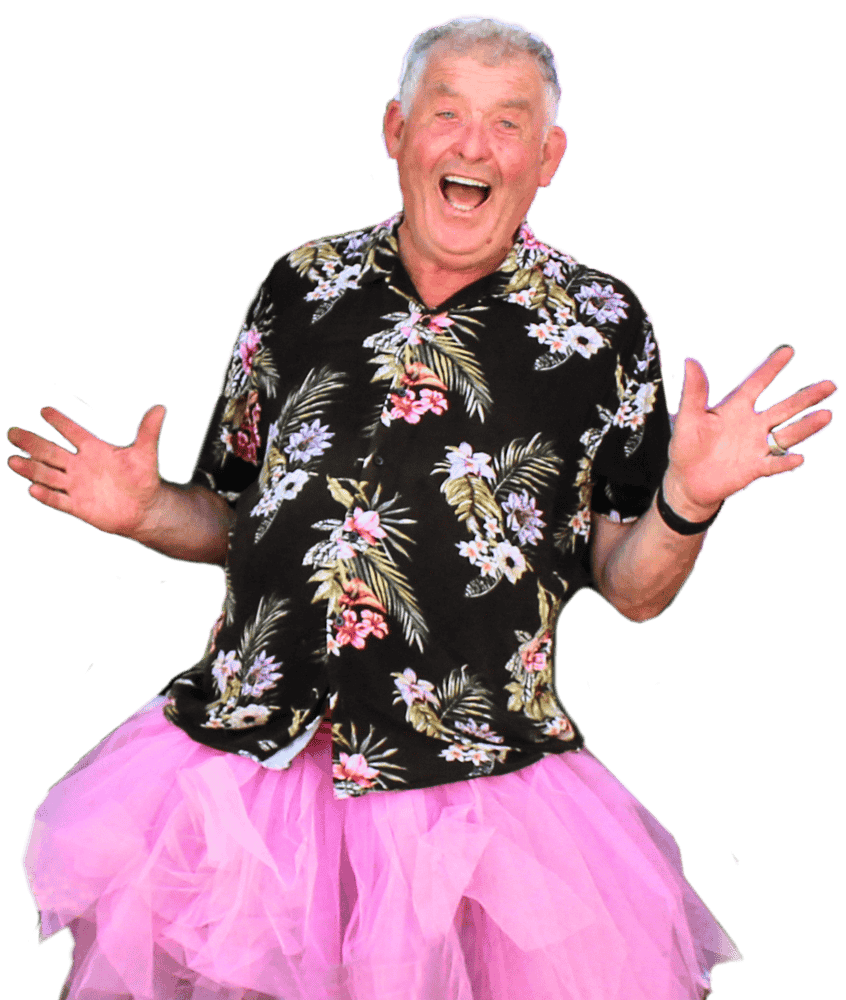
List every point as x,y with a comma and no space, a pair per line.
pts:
553,150
392,127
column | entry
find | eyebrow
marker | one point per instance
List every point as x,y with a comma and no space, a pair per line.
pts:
518,103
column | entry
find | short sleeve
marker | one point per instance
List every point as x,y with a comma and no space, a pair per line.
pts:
233,450
632,456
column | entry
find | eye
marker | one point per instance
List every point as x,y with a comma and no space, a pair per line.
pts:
507,124
447,115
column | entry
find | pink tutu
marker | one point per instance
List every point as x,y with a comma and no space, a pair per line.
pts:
190,874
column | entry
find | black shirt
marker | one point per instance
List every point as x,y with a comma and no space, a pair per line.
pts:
413,490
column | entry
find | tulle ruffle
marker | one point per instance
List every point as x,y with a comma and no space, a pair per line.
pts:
189,874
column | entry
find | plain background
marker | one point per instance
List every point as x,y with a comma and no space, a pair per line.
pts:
160,156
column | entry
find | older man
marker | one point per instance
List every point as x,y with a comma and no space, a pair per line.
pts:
432,433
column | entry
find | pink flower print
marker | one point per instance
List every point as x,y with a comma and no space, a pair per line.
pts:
407,407
352,632
413,690
409,328
345,550
457,751
366,524
580,522
434,401
356,592
560,726
375,624
248,345
244,443
529,240
354,767
535,654
439,322
417,374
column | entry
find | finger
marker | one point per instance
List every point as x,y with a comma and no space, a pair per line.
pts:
784,463
50,498
36,472
801,430
801,400
39,448
66,427
694,397
754,385
150,428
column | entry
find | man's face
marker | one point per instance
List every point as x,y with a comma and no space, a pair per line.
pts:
471,156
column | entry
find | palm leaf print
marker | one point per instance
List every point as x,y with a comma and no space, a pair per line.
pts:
229,599
529,277
308,401
462,695
458,368
257,631
525,466
274,459
393,590
472,498
313,253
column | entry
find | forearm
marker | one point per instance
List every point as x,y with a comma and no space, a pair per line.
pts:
645,567
188,522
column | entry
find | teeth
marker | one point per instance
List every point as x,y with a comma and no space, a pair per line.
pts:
467,180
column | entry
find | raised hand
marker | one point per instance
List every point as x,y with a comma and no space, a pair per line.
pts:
110,487
717,451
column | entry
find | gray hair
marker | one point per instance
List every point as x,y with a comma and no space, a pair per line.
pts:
464,34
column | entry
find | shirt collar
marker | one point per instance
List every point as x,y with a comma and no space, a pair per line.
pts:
381,253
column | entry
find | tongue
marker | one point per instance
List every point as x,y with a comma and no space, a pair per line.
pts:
463,195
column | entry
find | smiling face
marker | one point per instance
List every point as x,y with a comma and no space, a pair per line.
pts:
471,155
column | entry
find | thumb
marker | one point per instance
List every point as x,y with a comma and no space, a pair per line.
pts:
150,428
694,397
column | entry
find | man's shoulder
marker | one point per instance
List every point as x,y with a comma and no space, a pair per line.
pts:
339,259
582,292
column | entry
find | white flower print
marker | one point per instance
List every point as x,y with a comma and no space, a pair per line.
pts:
522,298
476,550
510,561
580,522
225,667
261,676
413,690
463,461
542,332
248,715
332,285
309,441
584,339
602,302
483,732
523,517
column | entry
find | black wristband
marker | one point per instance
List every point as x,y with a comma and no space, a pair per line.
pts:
679,524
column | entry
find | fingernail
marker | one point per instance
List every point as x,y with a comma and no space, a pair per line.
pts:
781,348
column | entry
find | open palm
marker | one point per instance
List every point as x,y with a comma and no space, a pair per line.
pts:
109,487
717,451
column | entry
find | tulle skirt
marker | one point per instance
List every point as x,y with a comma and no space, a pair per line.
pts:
190,874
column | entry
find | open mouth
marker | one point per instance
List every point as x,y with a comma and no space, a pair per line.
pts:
464,193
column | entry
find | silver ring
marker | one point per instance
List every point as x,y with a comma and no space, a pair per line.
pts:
776,449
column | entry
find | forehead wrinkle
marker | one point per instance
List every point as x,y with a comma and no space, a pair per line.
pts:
518,103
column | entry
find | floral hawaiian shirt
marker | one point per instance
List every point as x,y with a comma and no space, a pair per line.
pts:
413,491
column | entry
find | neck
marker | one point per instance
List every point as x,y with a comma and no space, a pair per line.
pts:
435,283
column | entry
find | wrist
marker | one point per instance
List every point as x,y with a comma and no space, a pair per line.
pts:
679,498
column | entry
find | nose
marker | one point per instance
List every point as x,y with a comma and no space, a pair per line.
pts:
474,142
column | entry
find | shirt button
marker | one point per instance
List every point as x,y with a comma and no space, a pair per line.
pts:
378,460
